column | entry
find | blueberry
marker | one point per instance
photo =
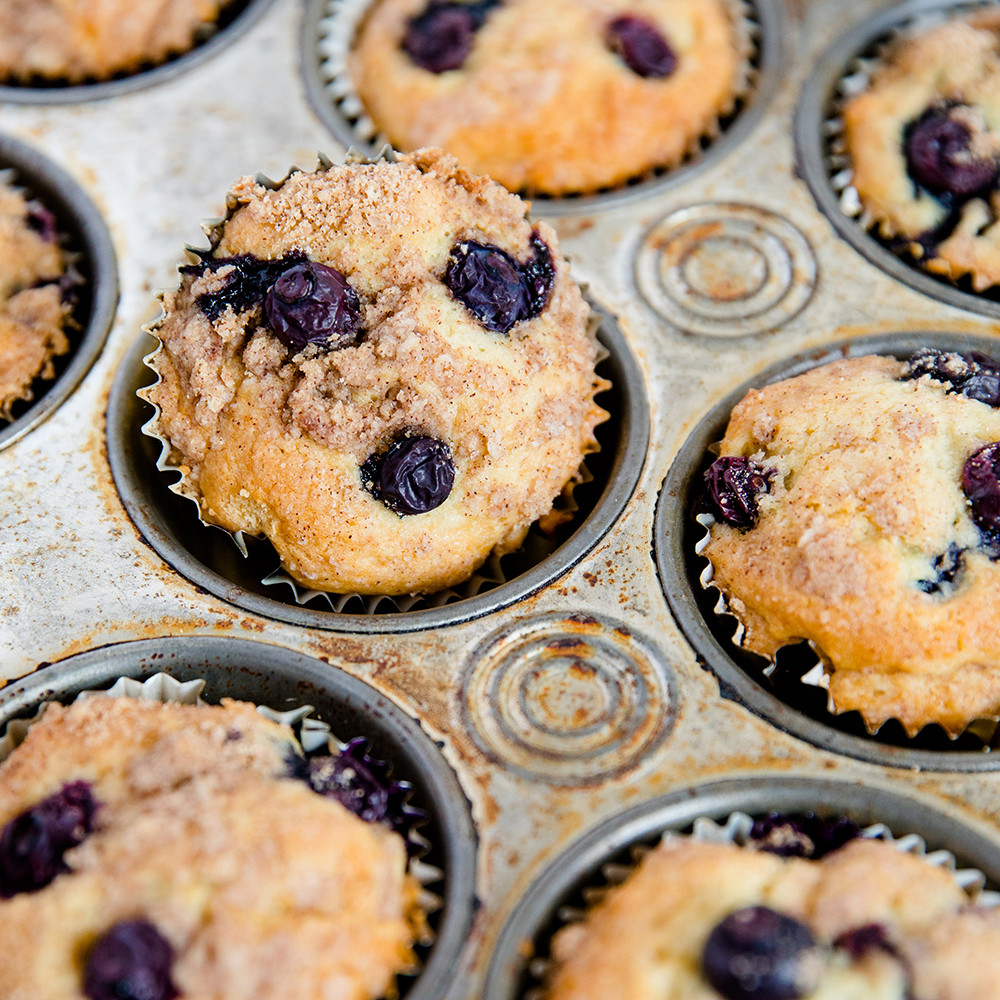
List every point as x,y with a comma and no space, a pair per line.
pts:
312,303
42,221
936,147
802,835
414,476
946,568
859,941
974,375
358,782
440,38
497,289
759,954
981,483
248,279
641,46
732,485
33,843
131,961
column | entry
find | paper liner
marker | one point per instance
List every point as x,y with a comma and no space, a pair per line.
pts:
983,730
856,78
539,542
342,19
68,282
736,829
312,734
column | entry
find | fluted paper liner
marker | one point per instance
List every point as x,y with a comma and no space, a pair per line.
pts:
342,19
487,576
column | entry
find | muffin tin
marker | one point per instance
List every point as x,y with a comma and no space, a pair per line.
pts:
591,686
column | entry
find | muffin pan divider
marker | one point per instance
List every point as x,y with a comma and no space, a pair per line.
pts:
597,697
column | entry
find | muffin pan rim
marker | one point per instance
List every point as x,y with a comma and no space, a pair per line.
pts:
674,528
199,656
162,72
579,861
44,177
813,109
777,30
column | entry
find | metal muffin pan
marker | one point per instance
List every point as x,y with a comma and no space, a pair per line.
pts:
782,700
536,918
772,35
579,690
85,237
237,16
280,678
209,557
818,106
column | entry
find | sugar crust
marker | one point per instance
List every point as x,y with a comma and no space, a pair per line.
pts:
867,494
260,885
542,104
272,442
644,939
958,62
94,39
32,312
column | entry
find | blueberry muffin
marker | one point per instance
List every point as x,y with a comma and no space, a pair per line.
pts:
159,850
553,97
33,307
383,368
924,144
858,506
717,920
96,39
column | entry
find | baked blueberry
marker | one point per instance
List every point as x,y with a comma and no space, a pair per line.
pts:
248,279
33,843
42,221
312,303
496,288
974,374
641,46
802,835
414,476
131,961
947,567
440,38
939,157
732,485
981,484
759,954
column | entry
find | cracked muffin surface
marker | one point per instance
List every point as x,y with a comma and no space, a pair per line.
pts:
550,98
95,39
163,850
868,531
384,368
33,312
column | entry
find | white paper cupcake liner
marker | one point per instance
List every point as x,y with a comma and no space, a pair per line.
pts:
536,546
736,829
342,19
312,734
856,79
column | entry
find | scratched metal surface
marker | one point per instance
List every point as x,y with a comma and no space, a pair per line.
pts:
583,699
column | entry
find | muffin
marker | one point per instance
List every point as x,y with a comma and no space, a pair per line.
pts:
158,850
924,144
552,98
717,920
33,308
383,368
857,506
95,39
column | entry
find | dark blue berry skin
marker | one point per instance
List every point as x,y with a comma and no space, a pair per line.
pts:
246,283
947,567
973,375
802,835
759,954
981,484
32,844
42,221
498,290
131,961
641,46
313,303
732,485
413,477
936,148
441,38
